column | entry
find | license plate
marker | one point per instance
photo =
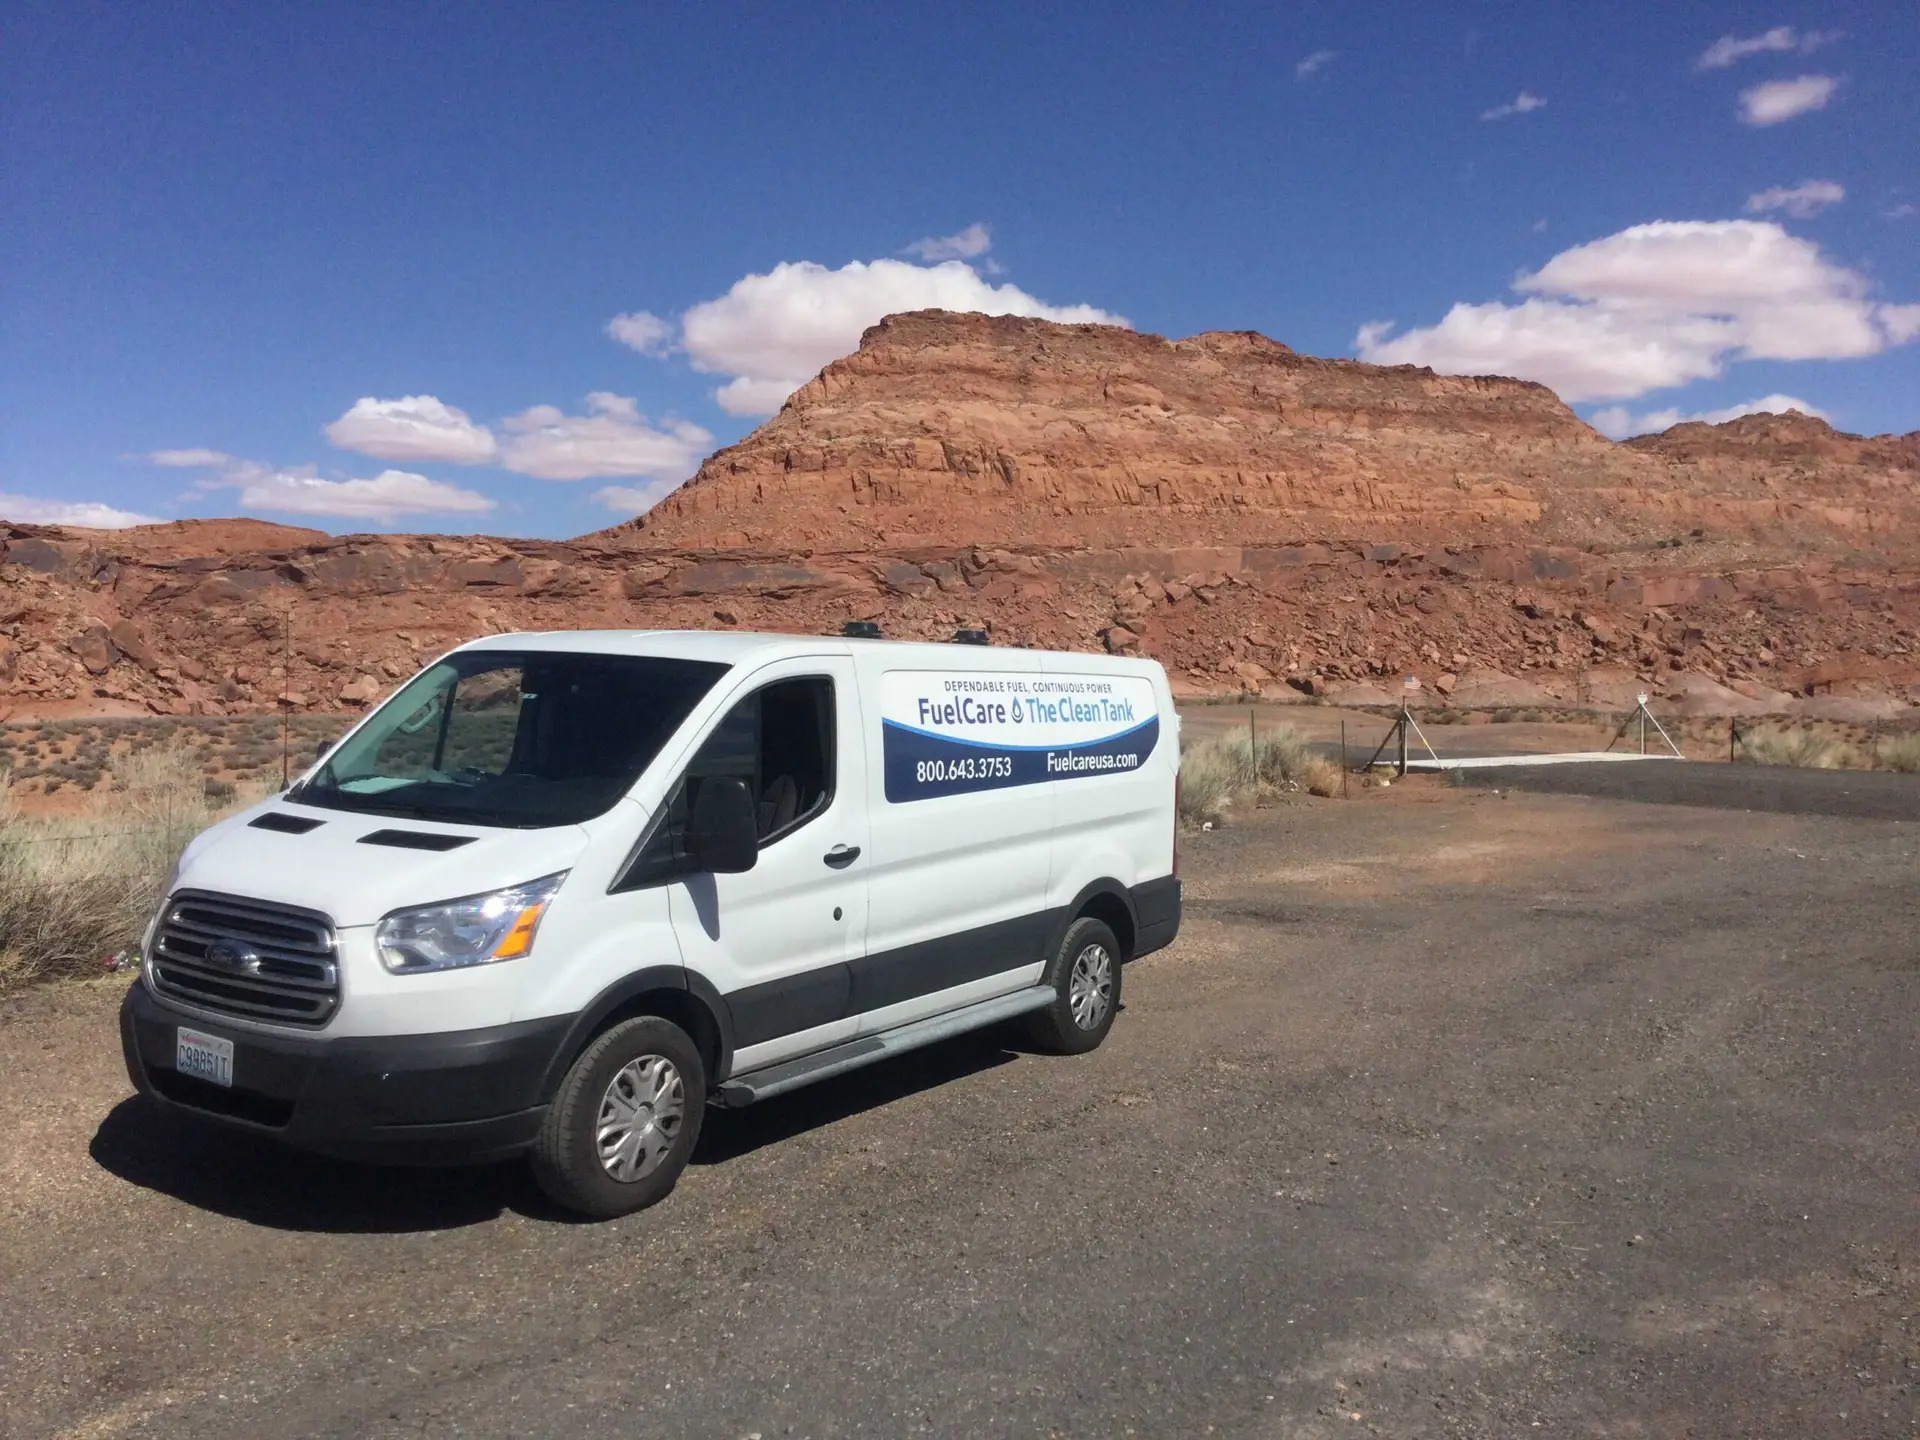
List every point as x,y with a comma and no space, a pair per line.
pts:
203,1056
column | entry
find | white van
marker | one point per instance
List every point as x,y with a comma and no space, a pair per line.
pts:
563,891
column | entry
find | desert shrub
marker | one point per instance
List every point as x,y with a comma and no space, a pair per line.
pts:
1805,749
1214,773
1206,783
75,891
1898,752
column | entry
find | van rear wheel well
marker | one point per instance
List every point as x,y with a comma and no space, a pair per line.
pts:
1113,912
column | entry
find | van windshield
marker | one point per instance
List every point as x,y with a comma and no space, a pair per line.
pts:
491,737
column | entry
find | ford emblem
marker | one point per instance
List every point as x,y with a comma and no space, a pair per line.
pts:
234,956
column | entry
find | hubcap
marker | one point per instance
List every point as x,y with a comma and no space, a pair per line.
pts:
1090,991
640,1117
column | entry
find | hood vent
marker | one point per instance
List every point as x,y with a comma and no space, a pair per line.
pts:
416,840
284,823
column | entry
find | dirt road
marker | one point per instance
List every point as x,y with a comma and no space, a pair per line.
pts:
1450,1114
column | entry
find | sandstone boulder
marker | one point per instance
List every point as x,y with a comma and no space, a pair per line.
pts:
94,648
131,643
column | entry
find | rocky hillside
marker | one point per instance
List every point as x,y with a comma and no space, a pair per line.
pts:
1257,519
946,430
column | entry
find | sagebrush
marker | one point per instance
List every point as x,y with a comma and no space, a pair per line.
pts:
1805,749
1898,752
76,891
1216,773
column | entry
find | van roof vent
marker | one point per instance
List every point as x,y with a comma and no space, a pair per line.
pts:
861,630
971,637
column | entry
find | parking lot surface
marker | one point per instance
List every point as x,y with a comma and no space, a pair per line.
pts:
1449,1114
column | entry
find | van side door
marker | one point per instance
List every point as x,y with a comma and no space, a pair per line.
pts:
962,840
777,940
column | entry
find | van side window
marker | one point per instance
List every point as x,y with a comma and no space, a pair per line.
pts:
780,741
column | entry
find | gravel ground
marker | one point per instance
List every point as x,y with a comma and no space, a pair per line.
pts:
1451,1114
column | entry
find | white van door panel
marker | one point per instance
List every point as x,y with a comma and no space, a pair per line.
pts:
958,884
776,940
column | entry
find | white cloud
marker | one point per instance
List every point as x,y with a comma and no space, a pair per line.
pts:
642,331
300,490
1656,305
188,459
1776,100
1314,63
1730,49
1781,40
1525,102
385,497
1900,211
1801,201
612,438
772,333
88,514
970,243
1901,322
630,500
414,427
1617,422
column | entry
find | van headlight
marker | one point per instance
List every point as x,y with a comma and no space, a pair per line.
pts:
476,930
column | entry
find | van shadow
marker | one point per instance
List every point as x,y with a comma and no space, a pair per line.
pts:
730,1134
253,1179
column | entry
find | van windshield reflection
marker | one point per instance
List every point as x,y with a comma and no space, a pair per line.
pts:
515,739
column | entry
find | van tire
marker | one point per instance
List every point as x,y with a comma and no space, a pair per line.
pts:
632,1067
1089,952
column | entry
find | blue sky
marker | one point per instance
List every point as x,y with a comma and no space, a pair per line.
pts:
369,266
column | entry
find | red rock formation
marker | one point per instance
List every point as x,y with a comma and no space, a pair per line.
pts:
1248,515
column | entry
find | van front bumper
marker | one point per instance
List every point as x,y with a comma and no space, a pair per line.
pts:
461,1097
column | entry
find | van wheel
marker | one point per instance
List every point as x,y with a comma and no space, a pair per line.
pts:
625,1120
1085,976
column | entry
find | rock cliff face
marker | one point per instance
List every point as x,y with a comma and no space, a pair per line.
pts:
1256,519
971,429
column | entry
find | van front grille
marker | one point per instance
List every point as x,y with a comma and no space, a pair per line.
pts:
246,957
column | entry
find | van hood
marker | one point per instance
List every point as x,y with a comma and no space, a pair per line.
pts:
330,867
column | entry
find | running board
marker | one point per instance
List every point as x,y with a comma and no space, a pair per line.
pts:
792,1074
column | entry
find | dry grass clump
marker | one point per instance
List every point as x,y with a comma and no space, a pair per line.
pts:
1898,752
1806,749
77,890
1215,773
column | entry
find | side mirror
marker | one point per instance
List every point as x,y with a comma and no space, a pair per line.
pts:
320,748
723,833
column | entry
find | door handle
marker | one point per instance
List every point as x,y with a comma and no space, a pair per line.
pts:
841,856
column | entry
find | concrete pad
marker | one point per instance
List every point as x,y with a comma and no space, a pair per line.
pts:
1429,765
